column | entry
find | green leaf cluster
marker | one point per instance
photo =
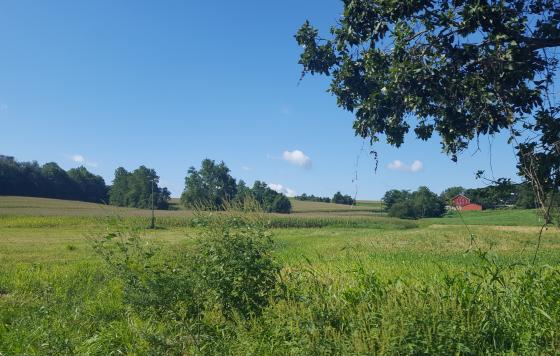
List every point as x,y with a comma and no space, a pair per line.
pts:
422,203
138,189
458,69
50,181
213,188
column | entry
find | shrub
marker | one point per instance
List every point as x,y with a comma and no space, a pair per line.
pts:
235,261
393,197
281,204
230,268
338,198
403,210
153,284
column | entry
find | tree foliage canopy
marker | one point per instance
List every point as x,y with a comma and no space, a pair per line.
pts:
270,200
90,187
451,193
212,187
339,198
134,189
422,203
460,68
50,181
305,197
503,194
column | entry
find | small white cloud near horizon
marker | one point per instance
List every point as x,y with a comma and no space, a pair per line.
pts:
246,168
298,158
398,165
80,159
281,189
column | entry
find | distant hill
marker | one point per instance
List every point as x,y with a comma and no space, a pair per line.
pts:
11,205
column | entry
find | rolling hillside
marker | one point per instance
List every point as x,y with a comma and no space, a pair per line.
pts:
11,205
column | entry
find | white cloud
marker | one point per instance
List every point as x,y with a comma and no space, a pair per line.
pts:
81,160
78,158
246,168
398,165
416,166
281,189
297,157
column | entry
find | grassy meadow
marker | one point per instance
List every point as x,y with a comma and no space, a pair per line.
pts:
350,281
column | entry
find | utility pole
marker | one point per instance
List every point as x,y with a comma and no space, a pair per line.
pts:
153,224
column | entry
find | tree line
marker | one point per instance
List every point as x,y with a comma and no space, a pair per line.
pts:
130,189
425,203
212,188
501,194
305,197
422,203
50,181
138,189
338,198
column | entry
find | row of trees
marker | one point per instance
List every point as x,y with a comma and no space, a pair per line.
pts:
135,189
345,199
270,200
338,198
50,181
502,194
424,203
421,203
305,197
132,189
212,188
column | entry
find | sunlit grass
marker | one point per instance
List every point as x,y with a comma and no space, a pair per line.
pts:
58,297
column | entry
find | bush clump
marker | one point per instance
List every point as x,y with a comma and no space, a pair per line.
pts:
229,269
422,203
234,258
403,210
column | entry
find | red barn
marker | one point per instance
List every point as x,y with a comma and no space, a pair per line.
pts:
461,202
472,207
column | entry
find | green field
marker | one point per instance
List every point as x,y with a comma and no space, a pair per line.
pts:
353,283
56,207
505,217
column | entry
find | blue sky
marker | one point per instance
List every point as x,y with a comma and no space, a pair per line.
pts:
168,83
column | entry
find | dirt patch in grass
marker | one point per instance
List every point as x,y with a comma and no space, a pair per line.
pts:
526,229
535,229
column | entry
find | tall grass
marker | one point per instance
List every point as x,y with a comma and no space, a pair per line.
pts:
476,312
226,294
86,310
